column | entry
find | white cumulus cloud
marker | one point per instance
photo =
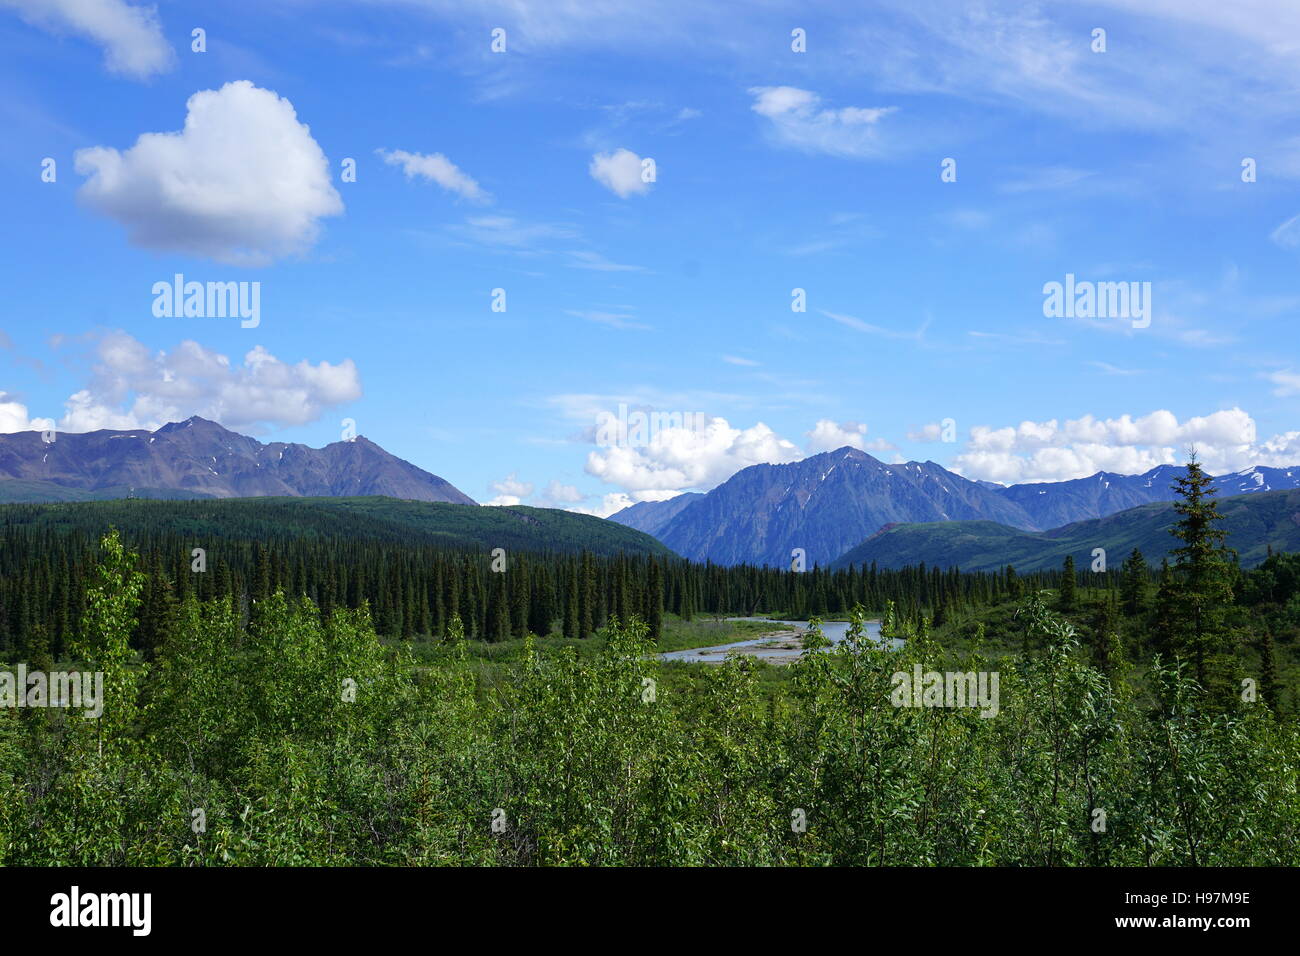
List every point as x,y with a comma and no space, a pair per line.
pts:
619,172
828,435
1054,451
675,459
558,495
132,387
929,432
509,491
243,183
14,417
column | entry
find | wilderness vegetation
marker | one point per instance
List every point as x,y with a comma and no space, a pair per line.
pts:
329,701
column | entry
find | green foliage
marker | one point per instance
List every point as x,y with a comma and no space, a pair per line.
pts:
303,740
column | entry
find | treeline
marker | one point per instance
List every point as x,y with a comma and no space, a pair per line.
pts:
417,591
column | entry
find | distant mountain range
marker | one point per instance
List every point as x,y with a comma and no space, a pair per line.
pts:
198,458
1254,523
1057,503
829,503
824,504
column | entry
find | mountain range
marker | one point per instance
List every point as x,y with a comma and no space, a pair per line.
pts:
824,504
198,458
1255,523
836,506
829,503
651,516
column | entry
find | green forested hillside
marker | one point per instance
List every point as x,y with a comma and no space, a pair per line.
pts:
519,528
1254,523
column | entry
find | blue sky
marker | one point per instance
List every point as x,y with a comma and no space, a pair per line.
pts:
774,170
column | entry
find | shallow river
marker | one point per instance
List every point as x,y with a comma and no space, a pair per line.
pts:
834,631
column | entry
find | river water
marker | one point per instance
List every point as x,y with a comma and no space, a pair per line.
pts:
780,650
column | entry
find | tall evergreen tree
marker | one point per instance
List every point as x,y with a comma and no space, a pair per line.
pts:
1133,584
655,601
1203,566
571,603
1107,651
1015,590
498,619
519,596
586,606
157,610
1067,597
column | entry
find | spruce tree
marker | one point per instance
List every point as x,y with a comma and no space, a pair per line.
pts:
1164,626
571,603
655,601
541,609
498,620
587,601
261,576
1107,651
1067,596
1204,568
38,649
1133,584
1015,590
519,597
157,610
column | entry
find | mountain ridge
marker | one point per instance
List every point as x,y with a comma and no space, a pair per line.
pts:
823,504
1254,524
200,458
748,519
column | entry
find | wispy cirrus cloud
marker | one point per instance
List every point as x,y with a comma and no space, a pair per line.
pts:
858,325
587,259
510,232
436,168
132,36
796,118
1286,382
614,320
